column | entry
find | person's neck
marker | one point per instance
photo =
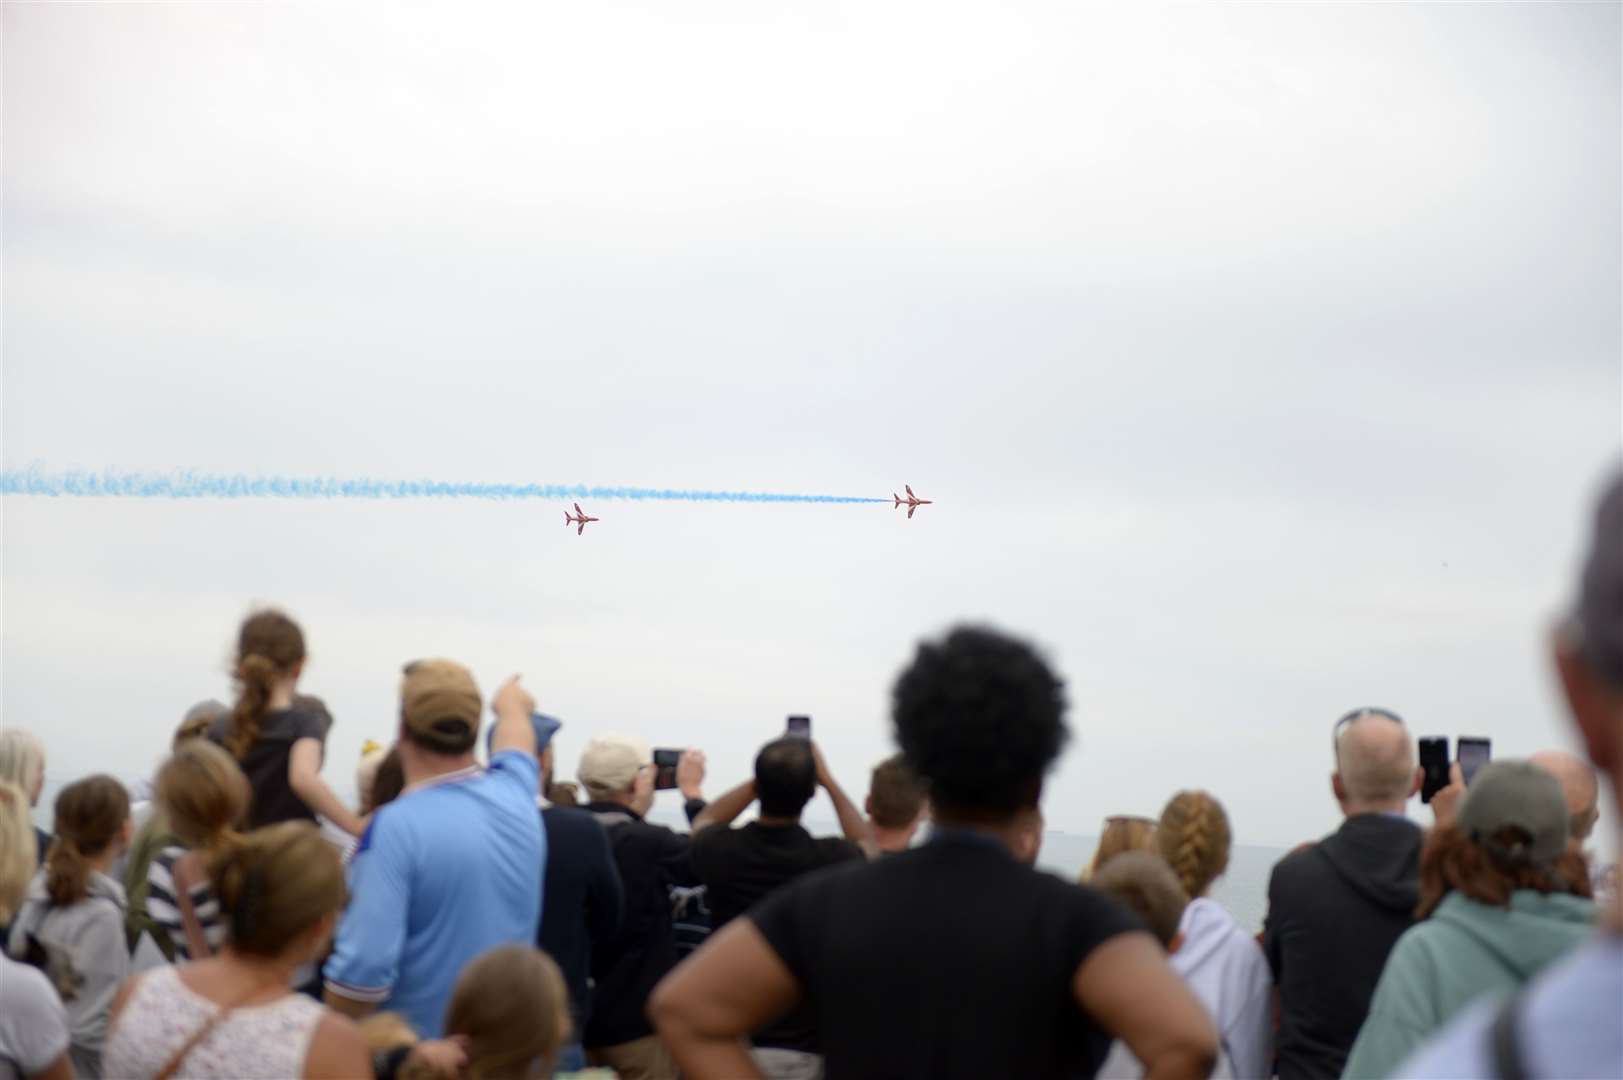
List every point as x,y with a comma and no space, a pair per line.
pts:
282,693
419,765
894,839
777,821
271,971
103,863
1398,808
1008,832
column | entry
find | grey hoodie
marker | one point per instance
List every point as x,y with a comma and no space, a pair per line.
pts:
86,954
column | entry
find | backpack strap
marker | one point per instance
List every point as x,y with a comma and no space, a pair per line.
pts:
1505,1042
197,942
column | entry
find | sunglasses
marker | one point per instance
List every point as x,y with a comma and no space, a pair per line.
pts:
1335,732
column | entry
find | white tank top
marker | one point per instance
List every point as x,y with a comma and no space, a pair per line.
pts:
256,1042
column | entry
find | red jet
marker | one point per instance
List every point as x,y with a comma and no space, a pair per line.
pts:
913,501
580,518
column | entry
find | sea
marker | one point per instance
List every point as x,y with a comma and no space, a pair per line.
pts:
1243,889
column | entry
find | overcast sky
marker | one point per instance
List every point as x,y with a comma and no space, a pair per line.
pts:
1262,360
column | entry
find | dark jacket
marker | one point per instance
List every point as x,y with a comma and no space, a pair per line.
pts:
1335,909
582,902
626,967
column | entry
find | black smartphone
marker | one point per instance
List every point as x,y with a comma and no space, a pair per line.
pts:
665,769
1434,760
799,727
1473,754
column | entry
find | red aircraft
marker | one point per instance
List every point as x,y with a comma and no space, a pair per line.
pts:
913,501
579,519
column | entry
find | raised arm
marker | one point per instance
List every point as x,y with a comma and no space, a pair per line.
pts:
512,705
728,805
1127,985
852,821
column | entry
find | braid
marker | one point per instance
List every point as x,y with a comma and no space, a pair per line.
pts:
1194,839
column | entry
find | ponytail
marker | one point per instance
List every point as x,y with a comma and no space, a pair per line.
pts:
269,645
275,883
89,816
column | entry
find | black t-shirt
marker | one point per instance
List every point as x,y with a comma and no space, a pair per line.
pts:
949,960
740,867
265,763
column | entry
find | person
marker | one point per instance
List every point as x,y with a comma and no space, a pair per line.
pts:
511,1009
366,774
426,900
1336,908
33,1024
152,833
1564,1022
1221,963
203,797
1581,788
277,736
233,1015
388,782
1502,896
616,772
22,762
953,959
1122,833
71,923
1143,883
897,804
584,899
741,867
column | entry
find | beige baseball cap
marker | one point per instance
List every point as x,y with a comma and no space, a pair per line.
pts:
610,763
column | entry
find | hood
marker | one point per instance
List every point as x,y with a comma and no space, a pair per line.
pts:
1536,929
1378,856
101,887
1207,931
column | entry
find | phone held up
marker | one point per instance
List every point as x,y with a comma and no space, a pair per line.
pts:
799,727
1473,754
665,768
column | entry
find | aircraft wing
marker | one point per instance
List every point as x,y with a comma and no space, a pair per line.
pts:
910,510
581,530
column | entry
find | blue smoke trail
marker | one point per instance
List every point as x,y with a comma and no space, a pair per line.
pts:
83,483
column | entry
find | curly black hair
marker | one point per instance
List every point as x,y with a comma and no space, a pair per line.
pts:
981,717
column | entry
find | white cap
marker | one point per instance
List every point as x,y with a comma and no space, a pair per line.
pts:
610,763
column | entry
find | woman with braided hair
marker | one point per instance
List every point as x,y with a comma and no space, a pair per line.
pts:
277,735
1222,964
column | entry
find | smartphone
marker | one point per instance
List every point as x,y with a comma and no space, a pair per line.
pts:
1434,760
799,727
665,769
1473,754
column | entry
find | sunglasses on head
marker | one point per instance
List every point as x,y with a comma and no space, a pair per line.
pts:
1335,732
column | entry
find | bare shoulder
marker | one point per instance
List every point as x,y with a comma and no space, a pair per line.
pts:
337,1050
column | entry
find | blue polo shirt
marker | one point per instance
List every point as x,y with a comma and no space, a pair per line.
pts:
442,874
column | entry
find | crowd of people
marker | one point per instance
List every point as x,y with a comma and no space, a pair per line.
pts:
472,916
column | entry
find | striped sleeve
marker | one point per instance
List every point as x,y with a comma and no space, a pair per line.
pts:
164,909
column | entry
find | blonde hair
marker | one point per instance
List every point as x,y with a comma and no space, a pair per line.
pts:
22,760
1194,839
512,1006
276,884
18,850
1122,833
203,796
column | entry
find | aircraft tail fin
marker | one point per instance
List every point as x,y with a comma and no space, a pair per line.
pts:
898,499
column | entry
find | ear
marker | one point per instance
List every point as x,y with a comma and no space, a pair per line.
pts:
1176,943
1337,788
867,806
1594,708
1416,784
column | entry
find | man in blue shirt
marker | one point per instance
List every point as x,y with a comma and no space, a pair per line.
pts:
448,870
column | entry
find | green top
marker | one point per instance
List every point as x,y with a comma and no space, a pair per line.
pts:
1465,950
153,838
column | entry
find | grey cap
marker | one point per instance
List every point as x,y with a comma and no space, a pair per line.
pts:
1519,795
1599,613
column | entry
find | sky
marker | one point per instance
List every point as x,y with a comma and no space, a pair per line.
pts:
1262,360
